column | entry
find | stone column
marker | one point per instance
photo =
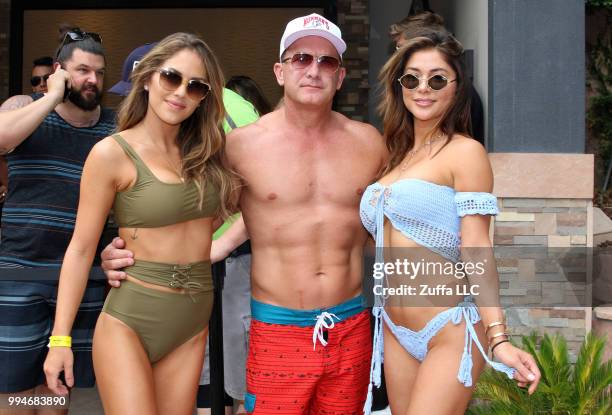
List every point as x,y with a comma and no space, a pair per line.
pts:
536,76
353,19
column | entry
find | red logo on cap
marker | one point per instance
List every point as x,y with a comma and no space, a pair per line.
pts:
316,21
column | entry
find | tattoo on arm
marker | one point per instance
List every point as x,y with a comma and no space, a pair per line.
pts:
16,102
13,103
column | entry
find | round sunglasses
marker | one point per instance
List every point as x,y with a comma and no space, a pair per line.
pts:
171,79
435,82
302,60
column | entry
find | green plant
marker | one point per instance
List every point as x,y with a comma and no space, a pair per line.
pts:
579,389
599,117
599,82
598,3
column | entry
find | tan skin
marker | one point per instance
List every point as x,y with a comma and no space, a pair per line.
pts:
302,190
431,386
20,116
128,383
300,202
280,248
305,168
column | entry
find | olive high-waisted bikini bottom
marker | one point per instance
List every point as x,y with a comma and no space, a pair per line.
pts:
163,320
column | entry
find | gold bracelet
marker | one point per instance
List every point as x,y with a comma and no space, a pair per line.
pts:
60,341
497,335
495,323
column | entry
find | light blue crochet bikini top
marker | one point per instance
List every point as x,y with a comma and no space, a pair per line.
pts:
426,212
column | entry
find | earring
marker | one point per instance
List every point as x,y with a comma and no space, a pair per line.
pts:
146,87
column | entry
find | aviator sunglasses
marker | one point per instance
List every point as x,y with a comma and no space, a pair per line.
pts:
303,60
171,80
36,80
435,82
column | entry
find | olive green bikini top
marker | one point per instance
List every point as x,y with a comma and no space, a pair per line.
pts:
151,203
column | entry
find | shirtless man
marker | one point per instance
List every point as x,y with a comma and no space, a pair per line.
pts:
304,168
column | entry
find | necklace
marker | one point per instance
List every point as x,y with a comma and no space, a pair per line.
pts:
410,155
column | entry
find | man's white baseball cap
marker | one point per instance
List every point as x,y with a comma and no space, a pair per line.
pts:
312,25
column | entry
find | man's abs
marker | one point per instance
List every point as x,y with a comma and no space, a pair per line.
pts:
306,277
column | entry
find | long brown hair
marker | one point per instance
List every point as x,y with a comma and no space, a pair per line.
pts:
201,139
398,122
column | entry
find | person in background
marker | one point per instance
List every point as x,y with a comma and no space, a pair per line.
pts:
237,286
424,24
47,138
123,87
42,69
248,89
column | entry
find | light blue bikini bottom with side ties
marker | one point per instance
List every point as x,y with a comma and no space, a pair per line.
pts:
416,342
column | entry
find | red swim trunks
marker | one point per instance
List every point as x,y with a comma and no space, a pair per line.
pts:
288,374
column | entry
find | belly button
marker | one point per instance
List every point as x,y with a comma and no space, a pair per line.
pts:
272,196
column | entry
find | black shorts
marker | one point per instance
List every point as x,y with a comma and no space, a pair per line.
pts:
204,399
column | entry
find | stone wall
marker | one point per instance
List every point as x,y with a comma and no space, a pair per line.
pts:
353,19
545,203
543,223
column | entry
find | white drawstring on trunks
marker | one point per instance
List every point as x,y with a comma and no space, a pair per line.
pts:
319,327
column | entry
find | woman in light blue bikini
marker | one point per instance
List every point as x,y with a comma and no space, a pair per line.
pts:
434,196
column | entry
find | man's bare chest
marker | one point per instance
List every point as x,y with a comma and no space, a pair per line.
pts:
335,177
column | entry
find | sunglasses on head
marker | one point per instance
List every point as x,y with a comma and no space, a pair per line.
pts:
435,82
303,60
171,80
36,80
76,35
